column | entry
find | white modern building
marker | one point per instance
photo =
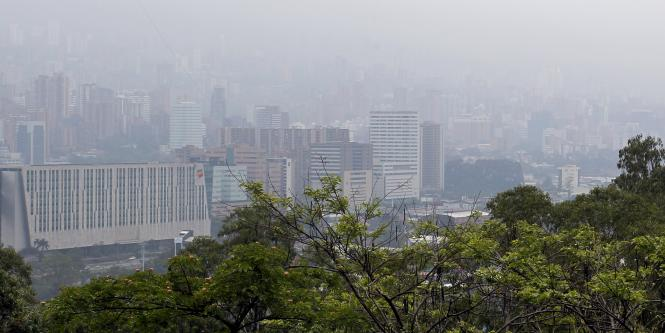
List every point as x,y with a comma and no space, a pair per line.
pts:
135,105
280,177
569,178
358,186
74,206
395,139
226,184
186,126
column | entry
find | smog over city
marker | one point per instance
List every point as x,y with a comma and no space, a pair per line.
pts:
162,141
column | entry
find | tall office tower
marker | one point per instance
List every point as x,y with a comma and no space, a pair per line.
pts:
86,205
134,105
31,141
290,142
186,126
279,177
253,158
97,108
270,116
218,107
226,184
51,95
569,178
395,139
351,161
552,141
134,112
160,109
431,158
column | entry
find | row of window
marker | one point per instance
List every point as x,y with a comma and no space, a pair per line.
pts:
103,198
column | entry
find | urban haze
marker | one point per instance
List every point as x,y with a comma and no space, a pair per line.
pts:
132,132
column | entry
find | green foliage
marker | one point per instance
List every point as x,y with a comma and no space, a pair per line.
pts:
55,270
615,213
642,163
323,264
250,289
253,224
17,312
522,203
209,251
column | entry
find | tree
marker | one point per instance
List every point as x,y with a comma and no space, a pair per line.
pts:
522,203
250,289
422,286
641,163
468,277
57,270
614,213
41,245
321,264
349,276
574,281
17,302
209,251
252,224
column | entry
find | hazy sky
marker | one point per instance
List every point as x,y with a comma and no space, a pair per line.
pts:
614,40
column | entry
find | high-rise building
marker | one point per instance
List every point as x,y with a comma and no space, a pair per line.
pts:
279,177
73,206
351,161
218,107
50,95
552,141
569,178
336,157
134,105
31,141
358,186
97,108
292,143
431,158
270,116
186,125
226,184
253,158
395,139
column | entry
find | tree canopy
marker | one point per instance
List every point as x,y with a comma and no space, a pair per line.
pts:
321,264
642,163
17,302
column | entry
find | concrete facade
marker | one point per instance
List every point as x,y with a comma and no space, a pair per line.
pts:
85,205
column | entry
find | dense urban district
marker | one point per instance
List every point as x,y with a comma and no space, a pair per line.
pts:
323,263
332,166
